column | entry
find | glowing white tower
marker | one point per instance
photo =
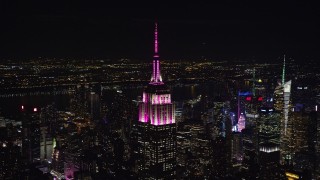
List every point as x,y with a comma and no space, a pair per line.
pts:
282,106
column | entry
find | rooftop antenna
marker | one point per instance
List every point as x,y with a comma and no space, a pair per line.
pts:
254,81
284,69
156,75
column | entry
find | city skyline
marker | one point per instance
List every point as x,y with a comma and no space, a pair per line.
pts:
85,93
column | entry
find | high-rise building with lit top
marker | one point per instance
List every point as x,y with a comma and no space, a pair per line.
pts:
282,104
269,166
286,136
268,126
157,128
316,116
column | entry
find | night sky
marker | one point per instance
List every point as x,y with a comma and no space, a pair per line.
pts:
259,30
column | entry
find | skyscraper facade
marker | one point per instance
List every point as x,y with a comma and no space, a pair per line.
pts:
282,106
268,125
269,166
317,143
286,136
156,126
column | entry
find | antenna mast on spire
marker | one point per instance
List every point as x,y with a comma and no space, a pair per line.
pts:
156,39
254,81
156,75
284,69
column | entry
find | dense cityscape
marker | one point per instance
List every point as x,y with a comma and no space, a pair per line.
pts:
200,117
226,121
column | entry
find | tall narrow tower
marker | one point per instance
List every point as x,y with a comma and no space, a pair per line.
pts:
156,75
283,70
157,128
282,105
254,82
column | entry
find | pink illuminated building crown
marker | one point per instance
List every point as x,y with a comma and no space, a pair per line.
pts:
156,107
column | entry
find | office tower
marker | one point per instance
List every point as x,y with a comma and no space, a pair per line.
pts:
48,119
279,92
221,135
300,128
316,117
312,131
303,94
269,166
254,102
279,108
157,128
10,160
194,150
46,145
243,99
282,103
221,118
94,106
179,112
79,101
241,122
249,164
268,126
286,136
31,135
236,148
278,99
254,82
307,127
247,109
10,149
207,116
219,159
183,152
57,168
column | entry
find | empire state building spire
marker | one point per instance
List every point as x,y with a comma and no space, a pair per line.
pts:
156,39
156,75
156,127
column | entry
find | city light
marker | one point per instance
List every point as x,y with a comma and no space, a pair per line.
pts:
221,102
292,176
241,123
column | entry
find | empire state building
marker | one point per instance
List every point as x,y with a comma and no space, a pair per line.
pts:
157,128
